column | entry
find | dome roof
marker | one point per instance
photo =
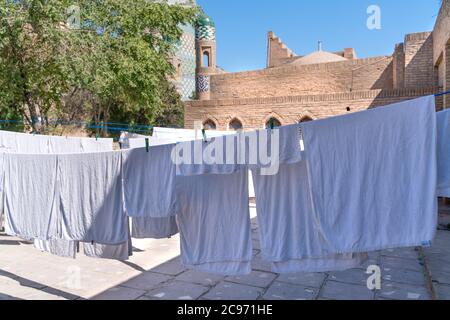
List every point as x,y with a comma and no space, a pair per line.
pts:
205,28
204,21
319,57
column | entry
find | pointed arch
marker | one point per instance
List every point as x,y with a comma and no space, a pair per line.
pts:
235,124
275,118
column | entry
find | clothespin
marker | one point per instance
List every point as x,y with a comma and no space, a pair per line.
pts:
204,136
96,137
301,140
147,145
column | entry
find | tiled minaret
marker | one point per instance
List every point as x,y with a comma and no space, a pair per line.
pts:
205,37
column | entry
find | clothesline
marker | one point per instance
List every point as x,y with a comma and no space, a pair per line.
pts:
110,126
442,94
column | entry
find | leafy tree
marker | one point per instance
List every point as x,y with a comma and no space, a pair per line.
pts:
32,77
110,62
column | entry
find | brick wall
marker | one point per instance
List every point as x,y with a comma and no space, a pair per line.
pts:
362,74
278,53
254,112
441,32
399,66
419,67
446,77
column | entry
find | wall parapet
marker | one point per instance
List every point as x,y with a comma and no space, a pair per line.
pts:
339,96
302,68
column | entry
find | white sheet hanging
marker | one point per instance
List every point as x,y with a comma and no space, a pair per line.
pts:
373,177
289,239
214,223
31,195
443,153
91,207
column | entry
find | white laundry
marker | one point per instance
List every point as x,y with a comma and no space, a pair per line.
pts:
154,228
443,153
227,154
373,177
115,252
150,201
91,208
186,134
289,239
61,248
15,142
149,182
214,223
30,195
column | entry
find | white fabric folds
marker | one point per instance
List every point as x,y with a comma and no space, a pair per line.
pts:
289,240
149,182
214,223
154,228
373,177
75,197
91,204
443,153
31,195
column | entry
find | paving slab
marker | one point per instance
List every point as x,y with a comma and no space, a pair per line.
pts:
201,278
146,281
177,290
285,291
345,291
255,279
389,263
440,277
443,291
404,253
261,265
404,276
310,280
233,291
120,293
352,276
171,268
399,291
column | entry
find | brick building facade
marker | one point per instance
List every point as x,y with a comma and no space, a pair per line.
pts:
323,84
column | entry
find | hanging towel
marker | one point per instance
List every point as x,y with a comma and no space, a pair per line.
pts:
15,142
214,223
2,174
121,252
154,228
31,195
373,177
443,153
149,182
289,239
60,145
91,198
151,201
60,248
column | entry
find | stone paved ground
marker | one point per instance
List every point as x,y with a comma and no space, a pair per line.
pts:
156,273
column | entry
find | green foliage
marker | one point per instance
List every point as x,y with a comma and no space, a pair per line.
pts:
114,64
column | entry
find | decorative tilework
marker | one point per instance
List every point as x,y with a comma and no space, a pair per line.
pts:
187,55
205,33
202,83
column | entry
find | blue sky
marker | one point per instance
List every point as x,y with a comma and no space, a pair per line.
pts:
242,26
